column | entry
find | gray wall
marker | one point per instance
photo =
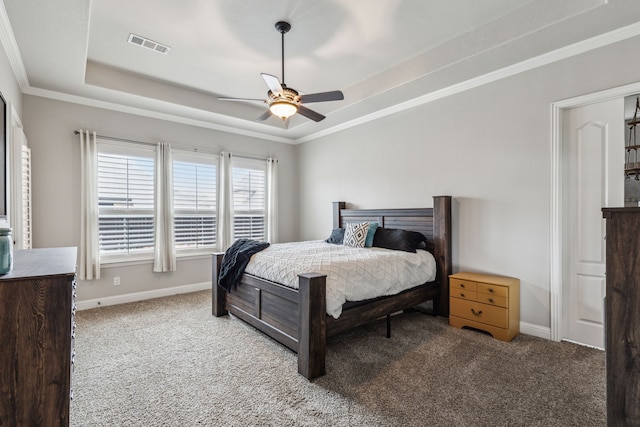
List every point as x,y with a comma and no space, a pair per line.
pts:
8,83
488,147
49,126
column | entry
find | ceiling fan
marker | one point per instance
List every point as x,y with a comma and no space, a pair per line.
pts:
284,101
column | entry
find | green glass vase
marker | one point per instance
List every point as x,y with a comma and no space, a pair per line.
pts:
6,250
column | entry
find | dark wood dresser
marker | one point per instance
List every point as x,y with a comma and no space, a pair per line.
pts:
37,330
622,316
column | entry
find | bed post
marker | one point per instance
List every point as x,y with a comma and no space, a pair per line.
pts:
312,328
442,250
337,206
218,295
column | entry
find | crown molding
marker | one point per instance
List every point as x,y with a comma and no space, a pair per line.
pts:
8,40
144,112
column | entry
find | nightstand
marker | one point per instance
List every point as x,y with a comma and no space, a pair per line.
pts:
485,302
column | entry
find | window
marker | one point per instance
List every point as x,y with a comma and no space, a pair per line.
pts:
249,198
194,200
26,196
21,189
125,199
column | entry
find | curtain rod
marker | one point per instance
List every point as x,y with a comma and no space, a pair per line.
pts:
111,138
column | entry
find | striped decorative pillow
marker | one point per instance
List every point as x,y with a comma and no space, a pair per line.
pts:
355,235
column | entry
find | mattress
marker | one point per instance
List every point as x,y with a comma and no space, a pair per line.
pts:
353,274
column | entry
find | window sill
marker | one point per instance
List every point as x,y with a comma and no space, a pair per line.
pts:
123,262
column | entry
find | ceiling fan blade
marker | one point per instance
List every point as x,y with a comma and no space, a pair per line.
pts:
222,98
310,114
264,116
272,82
334,95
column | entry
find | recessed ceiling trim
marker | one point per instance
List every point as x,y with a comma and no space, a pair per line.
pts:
605,39
574,49
148,44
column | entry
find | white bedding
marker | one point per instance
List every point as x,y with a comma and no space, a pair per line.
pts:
353,274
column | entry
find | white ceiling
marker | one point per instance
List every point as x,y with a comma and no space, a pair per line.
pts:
380,53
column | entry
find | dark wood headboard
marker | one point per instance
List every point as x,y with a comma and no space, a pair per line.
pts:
434,223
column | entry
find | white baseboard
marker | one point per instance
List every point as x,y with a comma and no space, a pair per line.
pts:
140,296
525,328
535,330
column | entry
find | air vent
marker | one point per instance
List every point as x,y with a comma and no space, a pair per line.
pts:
149,44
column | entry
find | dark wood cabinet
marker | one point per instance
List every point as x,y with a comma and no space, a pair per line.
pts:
37,329
622,316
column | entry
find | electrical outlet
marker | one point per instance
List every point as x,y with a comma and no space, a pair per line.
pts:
116,281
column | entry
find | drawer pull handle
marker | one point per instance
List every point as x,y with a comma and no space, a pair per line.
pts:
462,294
491,290
476,313
462,285
491,300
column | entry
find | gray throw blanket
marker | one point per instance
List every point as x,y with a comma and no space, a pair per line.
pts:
235,260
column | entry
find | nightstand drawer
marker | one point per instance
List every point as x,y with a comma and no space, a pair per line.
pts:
463,294
483,313
493,300
486,288
466,285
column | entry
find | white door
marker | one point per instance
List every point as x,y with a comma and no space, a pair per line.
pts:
593,138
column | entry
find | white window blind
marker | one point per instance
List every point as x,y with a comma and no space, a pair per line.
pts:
26,197
194,199
249,198
125,199
20,187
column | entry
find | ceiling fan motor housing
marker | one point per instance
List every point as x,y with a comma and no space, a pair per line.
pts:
287,94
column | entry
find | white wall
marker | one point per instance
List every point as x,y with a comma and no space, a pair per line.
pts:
488,147
49,126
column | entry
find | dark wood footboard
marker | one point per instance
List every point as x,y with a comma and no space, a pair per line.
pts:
298,318
295,318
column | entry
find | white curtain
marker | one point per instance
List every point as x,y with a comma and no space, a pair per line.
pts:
165,250
89,267
271,219
225,203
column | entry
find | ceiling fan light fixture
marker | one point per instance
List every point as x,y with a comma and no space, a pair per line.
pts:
283,109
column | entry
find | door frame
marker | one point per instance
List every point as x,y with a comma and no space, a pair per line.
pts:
557,209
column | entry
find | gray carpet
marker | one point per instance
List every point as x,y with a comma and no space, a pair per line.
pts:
168,362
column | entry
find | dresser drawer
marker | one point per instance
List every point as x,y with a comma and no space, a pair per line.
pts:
462,293
466,285
493,300
487,288
483,313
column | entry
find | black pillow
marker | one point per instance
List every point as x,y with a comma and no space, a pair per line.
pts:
399,240
337,236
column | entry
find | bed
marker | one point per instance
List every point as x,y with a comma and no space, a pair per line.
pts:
298,319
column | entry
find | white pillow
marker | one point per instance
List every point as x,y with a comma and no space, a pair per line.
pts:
355,235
